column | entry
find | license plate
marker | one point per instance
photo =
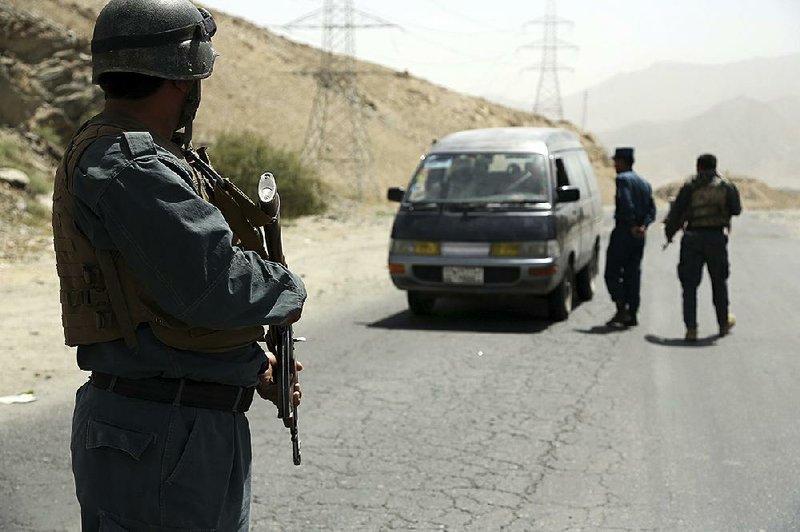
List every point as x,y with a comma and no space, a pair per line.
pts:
462,275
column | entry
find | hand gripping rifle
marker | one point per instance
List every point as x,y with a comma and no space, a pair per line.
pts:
285,372
267,214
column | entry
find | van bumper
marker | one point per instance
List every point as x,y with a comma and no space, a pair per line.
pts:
515,276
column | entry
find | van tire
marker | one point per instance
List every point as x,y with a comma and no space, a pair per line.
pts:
420,304
585,281
560,300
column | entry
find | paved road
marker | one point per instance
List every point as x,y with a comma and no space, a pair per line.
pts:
488,417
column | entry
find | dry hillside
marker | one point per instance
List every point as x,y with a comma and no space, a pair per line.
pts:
254,88
755,194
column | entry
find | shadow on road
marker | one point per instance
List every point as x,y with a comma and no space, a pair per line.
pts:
680,342
470,316
603,329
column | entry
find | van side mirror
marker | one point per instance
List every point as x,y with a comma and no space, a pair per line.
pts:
568,194
395,194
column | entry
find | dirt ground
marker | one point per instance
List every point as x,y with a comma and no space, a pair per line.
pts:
337,255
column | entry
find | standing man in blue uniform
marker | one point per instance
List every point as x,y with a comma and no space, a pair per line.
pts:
159,293
635,211
703,209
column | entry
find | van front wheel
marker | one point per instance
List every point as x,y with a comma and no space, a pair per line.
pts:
560,300
419,303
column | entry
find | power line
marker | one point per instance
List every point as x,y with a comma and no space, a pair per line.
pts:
336,131
548,92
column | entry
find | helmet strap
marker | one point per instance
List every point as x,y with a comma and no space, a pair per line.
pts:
189,112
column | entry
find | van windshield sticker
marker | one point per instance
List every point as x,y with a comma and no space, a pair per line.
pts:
433,164
417,191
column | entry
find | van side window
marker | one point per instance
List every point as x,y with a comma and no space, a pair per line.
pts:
561,174
588,171
577,174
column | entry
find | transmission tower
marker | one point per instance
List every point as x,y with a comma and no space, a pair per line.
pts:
548,92
336,131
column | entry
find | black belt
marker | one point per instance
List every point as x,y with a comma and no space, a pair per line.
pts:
179,392
706,228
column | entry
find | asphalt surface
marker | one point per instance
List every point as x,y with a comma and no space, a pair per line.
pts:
486,416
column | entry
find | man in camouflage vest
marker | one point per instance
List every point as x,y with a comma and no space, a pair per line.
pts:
703,209
164,289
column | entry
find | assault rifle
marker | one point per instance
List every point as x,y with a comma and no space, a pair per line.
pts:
285,372
267,215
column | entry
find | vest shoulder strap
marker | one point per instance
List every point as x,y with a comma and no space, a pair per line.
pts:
140,143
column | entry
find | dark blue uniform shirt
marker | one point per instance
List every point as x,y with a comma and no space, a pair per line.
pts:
137,196
634,201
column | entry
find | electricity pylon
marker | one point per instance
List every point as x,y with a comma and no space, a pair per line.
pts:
548,93
336,131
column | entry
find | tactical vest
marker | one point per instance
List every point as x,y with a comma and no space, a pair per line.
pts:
709,205
101,300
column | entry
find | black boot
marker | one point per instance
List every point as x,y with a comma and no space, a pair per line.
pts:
621,317
631,321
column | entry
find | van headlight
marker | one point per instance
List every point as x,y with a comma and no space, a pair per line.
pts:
414,247
540,249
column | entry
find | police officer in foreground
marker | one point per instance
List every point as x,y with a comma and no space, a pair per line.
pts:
158,293
703,209
635,211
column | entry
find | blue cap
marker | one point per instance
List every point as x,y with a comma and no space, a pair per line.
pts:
626,154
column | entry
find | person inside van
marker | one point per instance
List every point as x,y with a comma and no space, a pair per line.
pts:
532,181
461,184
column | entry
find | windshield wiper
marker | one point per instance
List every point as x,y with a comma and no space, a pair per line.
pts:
464,205
517,203
424,205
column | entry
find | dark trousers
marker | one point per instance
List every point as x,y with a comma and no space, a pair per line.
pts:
143,466
709,248
624,267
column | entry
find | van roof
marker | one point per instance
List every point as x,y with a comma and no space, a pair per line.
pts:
508,139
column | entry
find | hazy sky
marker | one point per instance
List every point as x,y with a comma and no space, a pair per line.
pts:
473,46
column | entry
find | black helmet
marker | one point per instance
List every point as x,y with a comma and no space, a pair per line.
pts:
168,39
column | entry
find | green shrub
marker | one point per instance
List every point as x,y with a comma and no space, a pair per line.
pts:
242,158
13,156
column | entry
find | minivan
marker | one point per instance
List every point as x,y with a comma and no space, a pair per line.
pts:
499,211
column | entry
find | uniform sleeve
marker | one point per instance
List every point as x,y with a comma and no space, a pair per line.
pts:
650,207
179,247
734,201
677,212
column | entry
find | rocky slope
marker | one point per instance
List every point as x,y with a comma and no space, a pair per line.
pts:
755,194
44,77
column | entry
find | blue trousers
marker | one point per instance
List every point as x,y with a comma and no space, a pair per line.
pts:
146,466
623,274
704,248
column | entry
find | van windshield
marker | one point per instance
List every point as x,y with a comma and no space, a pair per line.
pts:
481,178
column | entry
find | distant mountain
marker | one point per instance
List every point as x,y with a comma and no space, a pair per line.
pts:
675,91
749,137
